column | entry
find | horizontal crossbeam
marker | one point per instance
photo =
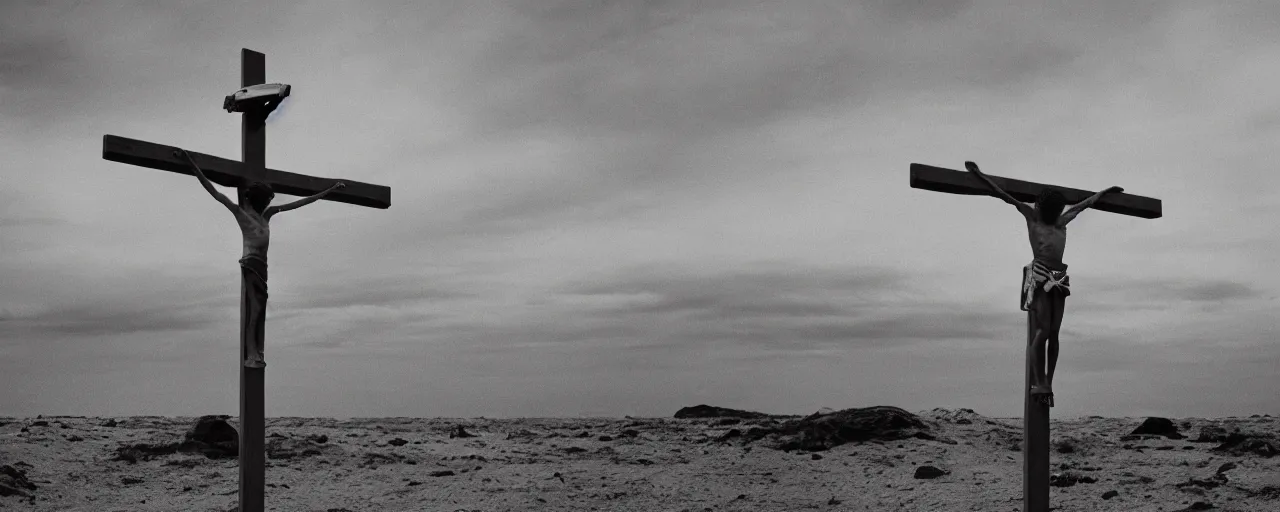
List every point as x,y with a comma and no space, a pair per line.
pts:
230,173
938,179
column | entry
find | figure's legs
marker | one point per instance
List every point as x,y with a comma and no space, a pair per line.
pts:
1059,304
1043,309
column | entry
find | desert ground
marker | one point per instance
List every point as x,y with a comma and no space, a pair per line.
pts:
708,459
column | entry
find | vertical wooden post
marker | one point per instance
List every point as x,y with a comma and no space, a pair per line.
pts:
1035,438
253,148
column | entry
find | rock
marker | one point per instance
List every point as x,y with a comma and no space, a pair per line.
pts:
1238,443
135,452
732,433
1069,479
40,423
728,421
74,438
397,442
707,411
605,438
110,423
1065,446
1109,494
815,456
1208,483
1226,467
1211,434
1199,505
459,432
822,432
213,437
442,473
1159,427
129,480
318,439
14,482
929,472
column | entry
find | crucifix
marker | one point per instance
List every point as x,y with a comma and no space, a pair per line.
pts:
1045,285
256,185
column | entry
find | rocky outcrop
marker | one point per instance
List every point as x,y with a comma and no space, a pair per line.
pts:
708,411
819,432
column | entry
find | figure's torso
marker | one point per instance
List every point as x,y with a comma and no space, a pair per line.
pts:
256,232
1048,241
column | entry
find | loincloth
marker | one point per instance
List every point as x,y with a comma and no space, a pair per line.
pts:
254,269
1046,276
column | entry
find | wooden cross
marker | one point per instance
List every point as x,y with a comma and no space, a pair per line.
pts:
1035,418
229,173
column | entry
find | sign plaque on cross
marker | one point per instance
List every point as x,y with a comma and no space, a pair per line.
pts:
256,185
1046,271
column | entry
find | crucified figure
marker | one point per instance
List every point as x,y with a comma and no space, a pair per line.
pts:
1045,285
254,219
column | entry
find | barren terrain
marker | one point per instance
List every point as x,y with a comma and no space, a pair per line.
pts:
952,460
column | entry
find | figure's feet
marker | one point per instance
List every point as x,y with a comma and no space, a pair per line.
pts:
1042,394
255,363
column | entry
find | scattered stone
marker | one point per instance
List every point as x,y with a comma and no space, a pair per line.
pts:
1066,446
74,438
605,438
318,439
1069,479
40,423
707,411
1199,505
629,433
928,472
574,449
413,483
110,423
731,434
1226,467
129,480
1238,443
459,432
1158,427
1208,483
1110,494
397,442
814,456
442,473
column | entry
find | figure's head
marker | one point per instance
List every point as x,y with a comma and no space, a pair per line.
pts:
1049,204
259,195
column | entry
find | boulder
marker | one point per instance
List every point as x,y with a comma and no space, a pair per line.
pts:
14,482
213,437
1158,427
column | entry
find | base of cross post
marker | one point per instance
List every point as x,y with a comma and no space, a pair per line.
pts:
1035,438
253,464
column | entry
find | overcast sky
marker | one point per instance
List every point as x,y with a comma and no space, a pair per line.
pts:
620,208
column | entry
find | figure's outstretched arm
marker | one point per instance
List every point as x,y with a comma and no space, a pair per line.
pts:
1070,213
304,201
1022,207
180,153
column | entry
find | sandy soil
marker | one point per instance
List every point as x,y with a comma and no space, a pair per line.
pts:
641,464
